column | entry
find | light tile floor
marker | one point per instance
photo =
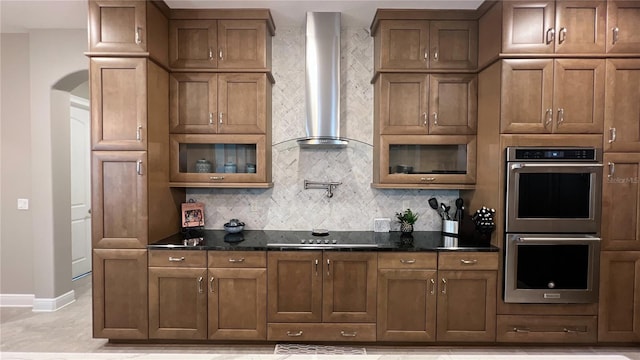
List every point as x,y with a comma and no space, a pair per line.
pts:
67,335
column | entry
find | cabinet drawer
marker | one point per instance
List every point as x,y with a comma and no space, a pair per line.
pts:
234,259
321,332
178,258
407,260
547,329
468,261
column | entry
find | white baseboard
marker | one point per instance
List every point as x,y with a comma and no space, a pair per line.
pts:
16,300
42,305
39,305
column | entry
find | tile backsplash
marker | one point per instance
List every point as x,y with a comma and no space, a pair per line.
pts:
288,206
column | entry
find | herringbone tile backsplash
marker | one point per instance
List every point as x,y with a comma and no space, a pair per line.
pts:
288,206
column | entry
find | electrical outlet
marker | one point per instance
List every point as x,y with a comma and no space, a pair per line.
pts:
23,204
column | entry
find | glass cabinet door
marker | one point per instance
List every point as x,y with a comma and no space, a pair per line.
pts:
208,160
428,160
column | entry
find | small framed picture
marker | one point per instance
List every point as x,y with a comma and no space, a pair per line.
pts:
192,214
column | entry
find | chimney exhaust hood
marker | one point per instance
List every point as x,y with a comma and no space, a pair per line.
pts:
322,86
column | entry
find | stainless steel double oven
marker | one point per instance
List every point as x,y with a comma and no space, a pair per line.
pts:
552,224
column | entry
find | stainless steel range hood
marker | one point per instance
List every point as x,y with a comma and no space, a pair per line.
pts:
323,81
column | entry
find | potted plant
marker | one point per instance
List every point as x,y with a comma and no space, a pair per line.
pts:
406,219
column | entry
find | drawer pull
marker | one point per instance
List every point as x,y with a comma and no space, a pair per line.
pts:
433,286
200,291
236,260
410,261
349,334
211,284
294,334
468,262
520,330
176,259
427,179
216,177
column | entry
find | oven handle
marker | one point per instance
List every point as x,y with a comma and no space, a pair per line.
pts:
547,165
529,238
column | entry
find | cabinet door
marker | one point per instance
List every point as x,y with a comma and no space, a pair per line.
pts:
454,44
349,287
242,103
453,104
622,108
403,103
404,44
177,303
619,308
295,286
118,103
237,304
579,112
528,27
120,294
117,26
193,44
621,202
406,305
193,101
467,306
119,198
242,44
622,26
527,94
580,26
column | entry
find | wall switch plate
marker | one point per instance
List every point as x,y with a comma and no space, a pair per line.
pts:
381,225
23,204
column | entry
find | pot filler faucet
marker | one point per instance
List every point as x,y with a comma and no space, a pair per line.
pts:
329,186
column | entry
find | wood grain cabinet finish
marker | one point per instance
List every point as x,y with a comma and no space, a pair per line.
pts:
548,27
546,329
222,44
622,108
621,201
619,308
117,26
120,294
538,96
622,26
423,44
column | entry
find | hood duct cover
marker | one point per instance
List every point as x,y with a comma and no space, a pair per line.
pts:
322,88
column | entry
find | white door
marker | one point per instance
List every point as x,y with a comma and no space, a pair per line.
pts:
80,187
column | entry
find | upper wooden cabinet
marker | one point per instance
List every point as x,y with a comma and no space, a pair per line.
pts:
423,44
623,17
621,125
427,104
222,44
547,27
538,96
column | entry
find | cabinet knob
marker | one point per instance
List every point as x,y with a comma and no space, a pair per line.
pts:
615,31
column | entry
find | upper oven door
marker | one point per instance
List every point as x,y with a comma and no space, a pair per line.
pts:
553,197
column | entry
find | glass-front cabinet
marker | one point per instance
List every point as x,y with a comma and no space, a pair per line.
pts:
238,161
434,161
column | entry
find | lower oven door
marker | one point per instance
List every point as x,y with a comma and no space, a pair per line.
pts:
544,268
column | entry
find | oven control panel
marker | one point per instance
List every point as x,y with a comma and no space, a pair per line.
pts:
552,154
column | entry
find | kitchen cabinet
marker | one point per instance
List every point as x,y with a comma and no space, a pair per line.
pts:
420,161
177,294
230,103
538,96
622,23
619,308
120,294
424,44
547,329
467,296
622,108
621,201
233,160
553,27
222,44
334,290
237,295
407,297
427,104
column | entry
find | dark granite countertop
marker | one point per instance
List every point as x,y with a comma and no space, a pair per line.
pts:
254,240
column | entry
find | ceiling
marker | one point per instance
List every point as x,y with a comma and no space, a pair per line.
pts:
23,15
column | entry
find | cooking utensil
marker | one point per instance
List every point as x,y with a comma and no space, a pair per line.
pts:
445,211
459,209
433,202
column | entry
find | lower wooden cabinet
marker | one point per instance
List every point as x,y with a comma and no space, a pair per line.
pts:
321,332
120,294
619,307
546,329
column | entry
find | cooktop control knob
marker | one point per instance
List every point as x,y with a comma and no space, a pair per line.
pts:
326,241
334,241
302,241
318,241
